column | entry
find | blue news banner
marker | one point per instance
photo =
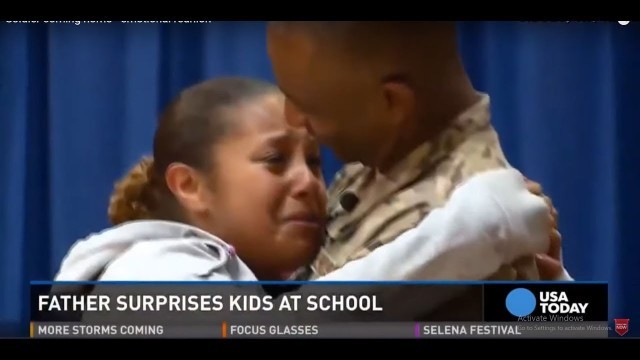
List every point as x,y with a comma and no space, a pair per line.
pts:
319,310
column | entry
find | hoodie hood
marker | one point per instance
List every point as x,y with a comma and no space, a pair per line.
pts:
88,257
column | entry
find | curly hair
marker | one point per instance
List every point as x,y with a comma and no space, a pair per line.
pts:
131,197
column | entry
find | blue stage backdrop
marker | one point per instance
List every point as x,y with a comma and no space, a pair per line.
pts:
79,103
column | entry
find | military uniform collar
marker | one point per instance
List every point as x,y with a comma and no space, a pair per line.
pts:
420,161
475,117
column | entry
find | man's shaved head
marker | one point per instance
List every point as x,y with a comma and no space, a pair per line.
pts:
377,38
364,30
363,87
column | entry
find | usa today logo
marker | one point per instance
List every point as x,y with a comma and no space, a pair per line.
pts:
551,305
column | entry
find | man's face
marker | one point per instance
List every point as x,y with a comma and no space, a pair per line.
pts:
339,102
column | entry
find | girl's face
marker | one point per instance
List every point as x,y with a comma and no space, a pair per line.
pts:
268,197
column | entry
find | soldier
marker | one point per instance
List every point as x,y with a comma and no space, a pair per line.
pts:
394,102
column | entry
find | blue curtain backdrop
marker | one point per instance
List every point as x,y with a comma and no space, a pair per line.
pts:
78,106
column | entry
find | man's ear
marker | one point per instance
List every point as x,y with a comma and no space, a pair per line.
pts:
188,186
400,101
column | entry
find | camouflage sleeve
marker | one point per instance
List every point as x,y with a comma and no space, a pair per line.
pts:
405,222
434,190
394,226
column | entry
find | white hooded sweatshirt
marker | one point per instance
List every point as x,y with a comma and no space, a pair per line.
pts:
490,220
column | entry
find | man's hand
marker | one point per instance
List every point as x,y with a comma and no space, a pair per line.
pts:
549,265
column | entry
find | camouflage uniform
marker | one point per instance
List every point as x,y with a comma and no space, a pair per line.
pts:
367,209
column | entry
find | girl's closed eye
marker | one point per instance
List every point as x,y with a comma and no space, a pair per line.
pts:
274,158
